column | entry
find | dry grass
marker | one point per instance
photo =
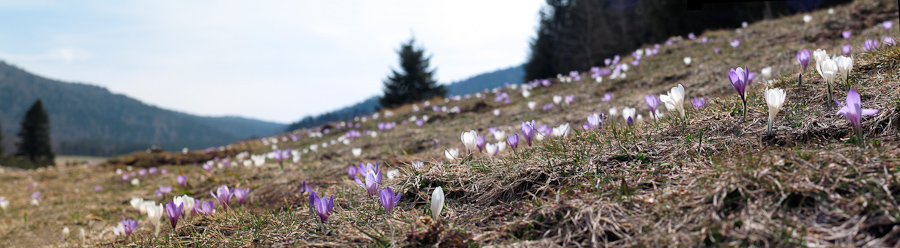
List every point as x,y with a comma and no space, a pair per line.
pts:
712,180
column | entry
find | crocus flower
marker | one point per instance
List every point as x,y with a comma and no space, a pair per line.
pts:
844,66
388,199
569,99
479,142
174,212
853,110
846,34
36,198
206,208
241,194
513,140
699,103
528,132
154,213
420,122
163,190
532,105
740,78
128,226
437,202
846,49
628,115
889,41
418,164
820,56
807,18
356,151
322,206
452,154
490,149
607,97
735,43
499,135
774,99
223,195
594,121
687,61
152,170
829,71
675,99
870,45
469,139
189,204
182,180
4,203
206,166
372,175
887,25
652,103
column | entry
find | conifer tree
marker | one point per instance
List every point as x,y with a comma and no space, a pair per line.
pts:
34,137
414,82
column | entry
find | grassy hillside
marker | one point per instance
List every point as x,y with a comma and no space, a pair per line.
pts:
710,178
90,120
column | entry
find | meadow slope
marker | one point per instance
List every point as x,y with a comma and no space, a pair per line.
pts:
711,178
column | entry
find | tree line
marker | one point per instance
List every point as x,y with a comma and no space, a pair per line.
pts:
580,34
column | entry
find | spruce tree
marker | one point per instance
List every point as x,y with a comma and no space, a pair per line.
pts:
34,137
414,82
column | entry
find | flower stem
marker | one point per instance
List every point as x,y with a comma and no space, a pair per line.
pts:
744,101
769,127
830,98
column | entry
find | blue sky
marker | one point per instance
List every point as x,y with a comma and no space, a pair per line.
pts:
270,60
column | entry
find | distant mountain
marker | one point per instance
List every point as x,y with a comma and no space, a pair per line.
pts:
90,120
477,83
490,80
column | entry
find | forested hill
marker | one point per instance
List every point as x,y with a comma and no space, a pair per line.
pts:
90,120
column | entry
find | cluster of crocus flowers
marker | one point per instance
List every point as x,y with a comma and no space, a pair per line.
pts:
125,227
854,112
775,100
594,121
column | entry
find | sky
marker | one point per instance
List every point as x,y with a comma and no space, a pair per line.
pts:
270,60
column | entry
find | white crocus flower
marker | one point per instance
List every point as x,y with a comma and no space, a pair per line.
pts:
561,131
4,203
820,56
500,135
501,146
557,99
526,93
613,111
135,182
766,72
490,149
807,18
65,232
136,203
629,113
469,139
775,100
154,213
391,174
844,65
451,154
188,205
425,118
437,202
829,70
356,151
496,112
532,105
687,61
599,79
675,98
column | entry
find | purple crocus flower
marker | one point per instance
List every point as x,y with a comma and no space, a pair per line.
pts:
351,170
304,187
36,195
513,140
740,80
699,103
629,121
716,50
208,166
652,103
388,199
241,194
887,25
548,107
164,171
870,44
586,126
595,121
846,34
142,172
152,170
223,195
691,35
174,212
205,208
163,190
129,225
182,180
528,132
735,43
803,58
125,177
607,97
705,39
98,188
322,206
889,41
546,130
569,99
372,175
846,49
479,142
853,110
